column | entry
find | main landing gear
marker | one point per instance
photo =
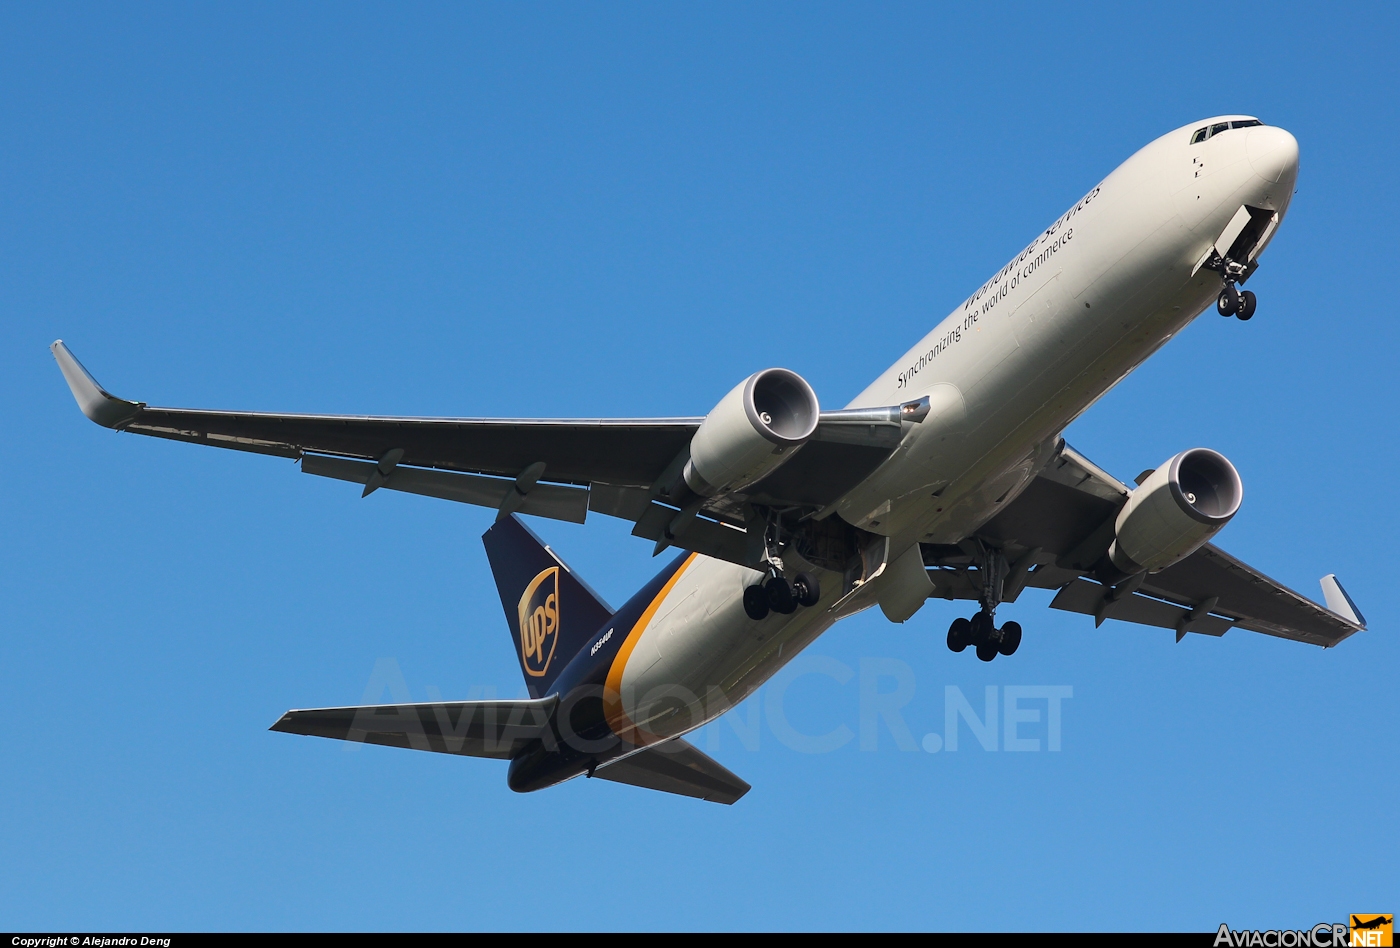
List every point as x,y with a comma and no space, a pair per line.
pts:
982,633
777,593
981,630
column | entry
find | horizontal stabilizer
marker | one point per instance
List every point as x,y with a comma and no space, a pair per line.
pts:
497,729
1339,602
676,766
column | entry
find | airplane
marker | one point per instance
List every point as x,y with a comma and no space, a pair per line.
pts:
947,477
1378,921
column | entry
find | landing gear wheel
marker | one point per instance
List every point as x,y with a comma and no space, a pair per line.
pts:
981,628
1247,303
1010,638
986,651
1228,302
756,603
807,590
959,635
780,596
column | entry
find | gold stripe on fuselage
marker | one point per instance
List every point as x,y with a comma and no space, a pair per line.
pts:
616,717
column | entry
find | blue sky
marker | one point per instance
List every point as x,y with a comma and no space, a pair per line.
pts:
623,210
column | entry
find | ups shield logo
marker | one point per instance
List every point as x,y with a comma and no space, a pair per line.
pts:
539,622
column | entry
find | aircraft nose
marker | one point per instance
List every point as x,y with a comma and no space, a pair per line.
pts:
1273,153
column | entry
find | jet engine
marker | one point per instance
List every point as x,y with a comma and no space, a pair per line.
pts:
753,430
1175,511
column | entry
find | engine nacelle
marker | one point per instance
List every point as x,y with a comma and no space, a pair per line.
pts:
1175,511
753,430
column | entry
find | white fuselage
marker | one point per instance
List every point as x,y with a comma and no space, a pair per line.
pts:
1079,308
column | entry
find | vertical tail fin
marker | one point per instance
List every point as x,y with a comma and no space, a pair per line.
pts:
552,613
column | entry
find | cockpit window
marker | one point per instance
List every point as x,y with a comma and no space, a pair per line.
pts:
1201,134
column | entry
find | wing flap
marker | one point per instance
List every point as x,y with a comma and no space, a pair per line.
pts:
495,729
1090,598
1262,604
555,501
697,534
575,451
676,767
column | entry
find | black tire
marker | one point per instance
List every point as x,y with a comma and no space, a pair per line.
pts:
986,651
1248,302
959,635
1010,638
780,596
756,603
807,589
1228,302
981,631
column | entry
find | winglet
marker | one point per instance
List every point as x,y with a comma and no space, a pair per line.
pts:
1339,602
100,406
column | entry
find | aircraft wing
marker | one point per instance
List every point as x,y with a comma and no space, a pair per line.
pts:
496,729
676,766
575,451
1064,522
558,468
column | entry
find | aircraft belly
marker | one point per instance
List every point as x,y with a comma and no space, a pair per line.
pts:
705,655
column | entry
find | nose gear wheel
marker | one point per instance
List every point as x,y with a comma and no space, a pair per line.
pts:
1233,301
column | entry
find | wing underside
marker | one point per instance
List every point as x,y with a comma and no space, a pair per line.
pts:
1064,520
558,468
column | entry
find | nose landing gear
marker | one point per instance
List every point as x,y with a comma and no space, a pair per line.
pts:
1232,301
